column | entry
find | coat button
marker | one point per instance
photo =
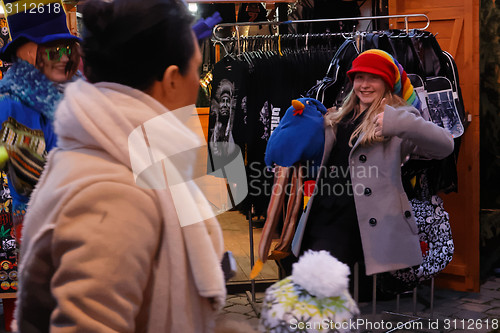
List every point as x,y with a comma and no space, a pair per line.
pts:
373,222
407,214
368,191
362,158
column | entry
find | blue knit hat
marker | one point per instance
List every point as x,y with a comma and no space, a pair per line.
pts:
203,27
38,21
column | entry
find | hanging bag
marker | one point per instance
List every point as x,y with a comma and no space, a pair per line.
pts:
435,237
419,87
437,68
436,242
441,104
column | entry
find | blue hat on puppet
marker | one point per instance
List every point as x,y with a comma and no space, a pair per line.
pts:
203,27
299,136
36,21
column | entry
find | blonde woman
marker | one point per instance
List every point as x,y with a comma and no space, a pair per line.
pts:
359,211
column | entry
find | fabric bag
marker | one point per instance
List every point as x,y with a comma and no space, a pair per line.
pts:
419,87
441,104
452,74
441,107
436,242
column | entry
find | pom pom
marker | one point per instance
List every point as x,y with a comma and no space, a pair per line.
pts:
321,274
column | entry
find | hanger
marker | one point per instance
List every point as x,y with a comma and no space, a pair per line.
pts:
275,23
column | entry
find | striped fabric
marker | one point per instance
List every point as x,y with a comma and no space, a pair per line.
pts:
25,168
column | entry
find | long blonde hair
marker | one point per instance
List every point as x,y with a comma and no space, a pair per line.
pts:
367,126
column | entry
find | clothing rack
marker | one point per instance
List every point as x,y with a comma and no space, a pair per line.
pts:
282,42
219,39
216,39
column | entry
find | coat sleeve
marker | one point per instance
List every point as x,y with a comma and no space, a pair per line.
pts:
103,249
426,138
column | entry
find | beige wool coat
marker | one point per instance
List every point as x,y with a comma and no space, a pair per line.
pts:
389,233
101,254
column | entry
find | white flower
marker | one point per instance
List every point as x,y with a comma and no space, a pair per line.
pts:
321,274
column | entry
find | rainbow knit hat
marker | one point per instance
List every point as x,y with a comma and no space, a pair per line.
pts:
381,63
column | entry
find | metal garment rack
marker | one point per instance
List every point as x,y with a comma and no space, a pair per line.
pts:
219,39
222,40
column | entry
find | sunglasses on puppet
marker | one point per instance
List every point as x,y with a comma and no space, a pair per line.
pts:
55,52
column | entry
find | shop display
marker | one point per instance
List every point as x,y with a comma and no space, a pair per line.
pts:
8,251
270,85
252,91
4,38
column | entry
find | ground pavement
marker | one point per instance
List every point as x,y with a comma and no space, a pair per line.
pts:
453,311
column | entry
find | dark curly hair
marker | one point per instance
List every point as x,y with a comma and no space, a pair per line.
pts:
132,42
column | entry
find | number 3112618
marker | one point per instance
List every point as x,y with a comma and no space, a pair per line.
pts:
33,8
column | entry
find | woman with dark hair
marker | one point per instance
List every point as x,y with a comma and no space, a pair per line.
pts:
110,243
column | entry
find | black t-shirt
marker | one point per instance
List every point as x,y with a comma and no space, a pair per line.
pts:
229,91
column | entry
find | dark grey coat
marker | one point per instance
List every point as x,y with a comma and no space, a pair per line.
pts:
389,233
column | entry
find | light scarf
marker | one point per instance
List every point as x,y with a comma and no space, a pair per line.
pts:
103,116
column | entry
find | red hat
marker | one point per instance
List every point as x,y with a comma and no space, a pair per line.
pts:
381,63
375,62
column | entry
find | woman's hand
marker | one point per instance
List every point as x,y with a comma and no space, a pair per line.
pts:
332,109
379,119
379,122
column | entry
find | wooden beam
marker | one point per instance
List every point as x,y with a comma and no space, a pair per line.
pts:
456,36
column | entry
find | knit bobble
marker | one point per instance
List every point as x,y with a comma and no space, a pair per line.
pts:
321,274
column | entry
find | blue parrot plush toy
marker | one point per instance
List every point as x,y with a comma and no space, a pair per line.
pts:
299,136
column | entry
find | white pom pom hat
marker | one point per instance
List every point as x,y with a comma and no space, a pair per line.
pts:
315,298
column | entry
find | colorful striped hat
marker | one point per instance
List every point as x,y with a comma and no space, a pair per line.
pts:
38,21
381,63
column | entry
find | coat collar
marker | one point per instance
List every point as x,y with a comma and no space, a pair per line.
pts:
27,84
358,141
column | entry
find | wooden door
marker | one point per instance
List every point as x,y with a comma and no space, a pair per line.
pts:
456,23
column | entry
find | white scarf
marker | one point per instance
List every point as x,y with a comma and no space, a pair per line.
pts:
104,116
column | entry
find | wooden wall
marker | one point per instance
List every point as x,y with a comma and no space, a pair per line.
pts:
203,116
456,23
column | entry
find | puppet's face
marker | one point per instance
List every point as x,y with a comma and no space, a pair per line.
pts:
53,58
